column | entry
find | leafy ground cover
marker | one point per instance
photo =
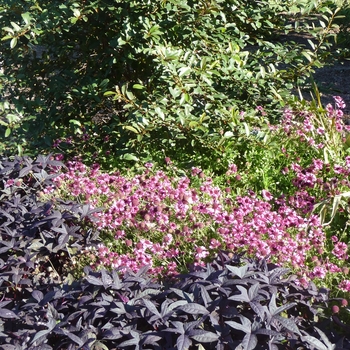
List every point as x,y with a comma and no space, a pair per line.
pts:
186,198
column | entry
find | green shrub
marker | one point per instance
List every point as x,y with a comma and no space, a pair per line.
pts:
142,79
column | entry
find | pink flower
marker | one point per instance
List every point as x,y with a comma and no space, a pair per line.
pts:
267,195
232,169
195,171
329,109
214,243
202,253
340,250
168,238
319,272
339,102
332,267
345,285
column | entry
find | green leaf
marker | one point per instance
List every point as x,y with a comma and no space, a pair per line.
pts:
160,113
13,42
131,128
109,93
183,71
16,26
130,95
20,150
129,156
138,87
26,17
8,29
307,55
7,132
75,122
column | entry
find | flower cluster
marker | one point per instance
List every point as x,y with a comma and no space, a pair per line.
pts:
165,222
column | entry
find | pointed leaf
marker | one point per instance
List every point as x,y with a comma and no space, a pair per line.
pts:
241,327
288,324
325,339
5,313
150,306
203,336
314,342
194,309
76,339
253,291
241,297
250,341
93,280
183,342
238,271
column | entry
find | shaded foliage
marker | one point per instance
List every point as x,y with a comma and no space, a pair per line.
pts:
38,239
138,79
223,306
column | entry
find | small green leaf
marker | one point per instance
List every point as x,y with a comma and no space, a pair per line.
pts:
131,128
184,70
129,156
307,55
138,87
7,132
16,26
76,12
76,122
8,29
13,42
20,150
130,95
109,93
26,17
160,113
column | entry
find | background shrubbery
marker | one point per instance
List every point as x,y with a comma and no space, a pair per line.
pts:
139,80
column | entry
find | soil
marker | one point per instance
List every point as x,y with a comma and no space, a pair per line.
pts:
332,80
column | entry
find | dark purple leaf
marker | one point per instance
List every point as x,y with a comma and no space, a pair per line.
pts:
76,339
25,171
146,292
134,341
288,324
238,271
112,334
265,331
241,297
5,313
250,341
316,344
205,296
193,308
183,342
94,280
4,303
150,306
239,326
183,294
324,338
203,336
106,279
151,339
